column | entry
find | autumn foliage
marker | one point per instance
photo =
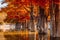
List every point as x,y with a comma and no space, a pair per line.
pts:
17,12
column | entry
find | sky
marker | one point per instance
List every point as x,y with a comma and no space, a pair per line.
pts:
3,5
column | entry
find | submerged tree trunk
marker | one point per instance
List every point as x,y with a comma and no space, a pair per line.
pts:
41,18
31,18
57,18
54,19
